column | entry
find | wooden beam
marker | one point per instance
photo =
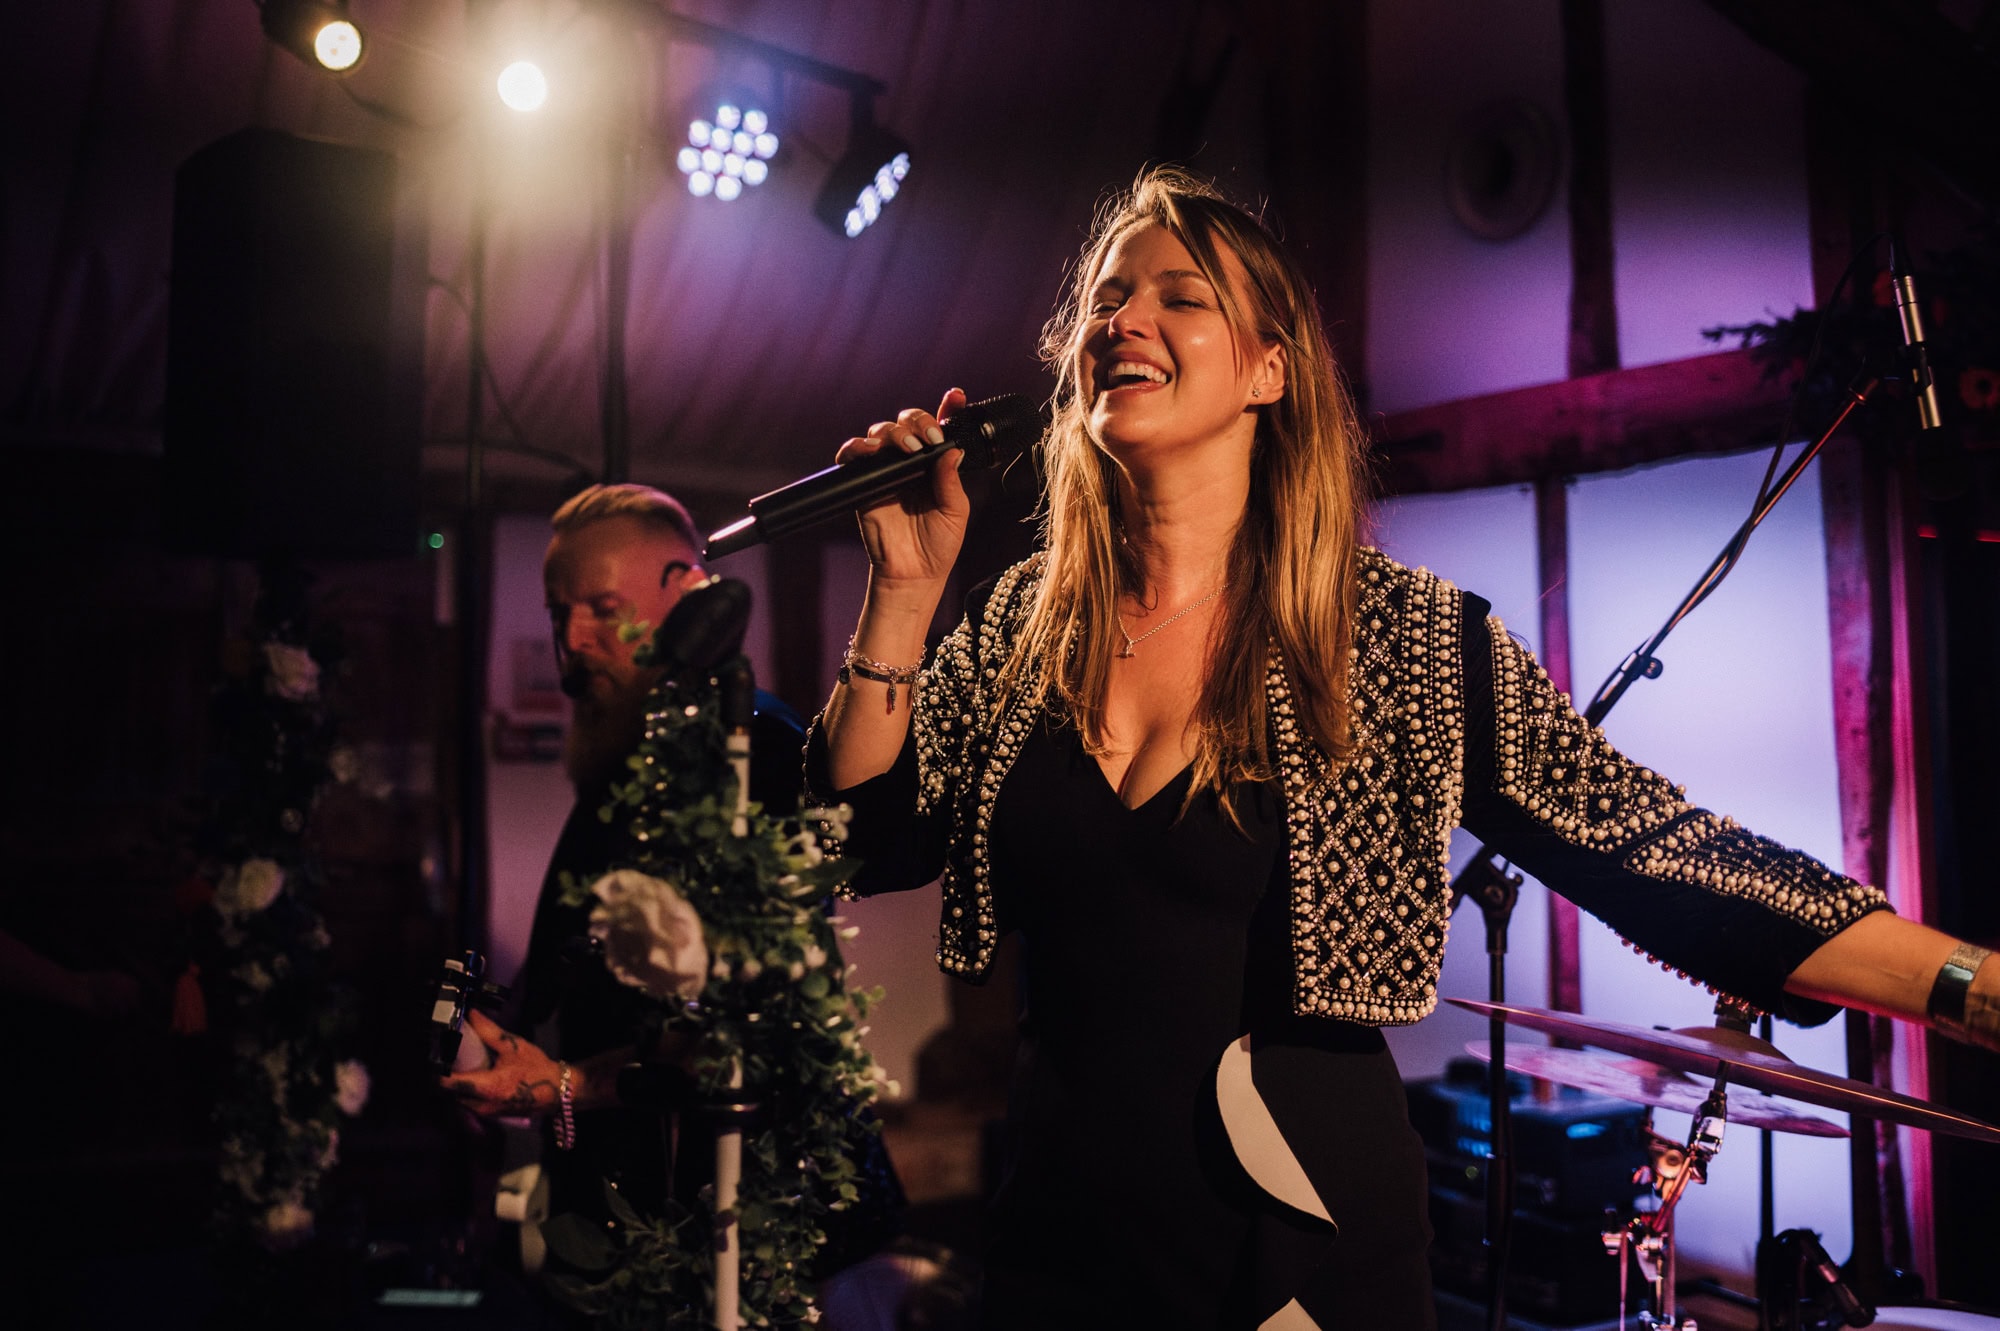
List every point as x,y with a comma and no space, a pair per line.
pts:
1593,287
1603,422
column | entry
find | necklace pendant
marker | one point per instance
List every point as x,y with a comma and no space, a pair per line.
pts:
1125,653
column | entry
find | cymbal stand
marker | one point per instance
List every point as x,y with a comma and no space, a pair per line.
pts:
1649,1235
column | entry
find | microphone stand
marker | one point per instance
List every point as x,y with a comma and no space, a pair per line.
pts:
729,1112
1489,880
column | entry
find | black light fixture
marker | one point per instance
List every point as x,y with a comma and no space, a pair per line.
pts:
316,31
867,176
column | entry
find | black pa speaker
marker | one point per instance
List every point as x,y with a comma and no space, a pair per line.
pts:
294,354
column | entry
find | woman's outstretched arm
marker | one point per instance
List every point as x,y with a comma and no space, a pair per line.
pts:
1884,963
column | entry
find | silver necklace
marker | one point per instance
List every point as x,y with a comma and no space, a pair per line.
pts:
1190,607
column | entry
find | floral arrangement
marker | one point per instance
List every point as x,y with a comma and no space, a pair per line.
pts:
260,946
724,926
1960,294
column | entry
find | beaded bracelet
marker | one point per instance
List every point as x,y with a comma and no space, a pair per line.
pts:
566,1122
1946,1008
854,663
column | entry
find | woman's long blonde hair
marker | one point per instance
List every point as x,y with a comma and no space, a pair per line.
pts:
1291,568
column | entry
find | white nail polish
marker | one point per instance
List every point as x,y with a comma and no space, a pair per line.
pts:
934,434
909,443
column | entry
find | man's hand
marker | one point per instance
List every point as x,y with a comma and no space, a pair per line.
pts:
522,1082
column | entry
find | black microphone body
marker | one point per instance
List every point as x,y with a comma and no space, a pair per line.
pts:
989,431
704,627
1916,349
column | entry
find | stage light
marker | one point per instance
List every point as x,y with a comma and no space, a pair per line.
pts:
523,86
316,31
729,148
865,179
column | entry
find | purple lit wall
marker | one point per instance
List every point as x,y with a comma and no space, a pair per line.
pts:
1449,315
1708,178
1707,190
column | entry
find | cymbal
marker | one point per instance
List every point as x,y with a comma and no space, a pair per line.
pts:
1650,1084
1744,1061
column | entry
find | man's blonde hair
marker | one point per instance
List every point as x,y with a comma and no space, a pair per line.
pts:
655,508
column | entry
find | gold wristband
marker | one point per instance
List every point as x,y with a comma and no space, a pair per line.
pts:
1946,1008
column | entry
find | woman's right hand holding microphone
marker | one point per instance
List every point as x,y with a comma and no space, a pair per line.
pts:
913,539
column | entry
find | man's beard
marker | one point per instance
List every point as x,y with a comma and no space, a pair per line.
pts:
604,731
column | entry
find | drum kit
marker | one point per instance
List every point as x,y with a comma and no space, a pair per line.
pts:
1719,1075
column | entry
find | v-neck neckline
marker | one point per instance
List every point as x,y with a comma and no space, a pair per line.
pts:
1179,778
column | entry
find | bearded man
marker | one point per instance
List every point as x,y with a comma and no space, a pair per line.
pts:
621,558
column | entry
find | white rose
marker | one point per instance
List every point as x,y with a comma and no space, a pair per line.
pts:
652,937
294,674
815,956
248,888
350,1086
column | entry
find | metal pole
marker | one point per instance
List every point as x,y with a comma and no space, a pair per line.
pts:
472,564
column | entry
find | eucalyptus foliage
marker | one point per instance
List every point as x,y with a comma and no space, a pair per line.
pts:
776,1005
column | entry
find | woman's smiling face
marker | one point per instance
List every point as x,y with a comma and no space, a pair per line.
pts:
1158,361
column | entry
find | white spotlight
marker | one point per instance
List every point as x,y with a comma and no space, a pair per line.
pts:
523,86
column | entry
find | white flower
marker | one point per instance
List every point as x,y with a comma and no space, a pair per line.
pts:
652,937
287,1224
254,976
248,887
815,956
350,1086
797,970
294,674
750,969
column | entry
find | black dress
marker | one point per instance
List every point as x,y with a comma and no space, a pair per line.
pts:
1123,1204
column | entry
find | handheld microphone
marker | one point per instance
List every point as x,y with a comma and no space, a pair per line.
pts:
1916,350
989,431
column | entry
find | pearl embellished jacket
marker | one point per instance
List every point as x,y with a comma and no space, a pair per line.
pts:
1455,725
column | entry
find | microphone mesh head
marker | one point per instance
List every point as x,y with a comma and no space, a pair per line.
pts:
996,428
